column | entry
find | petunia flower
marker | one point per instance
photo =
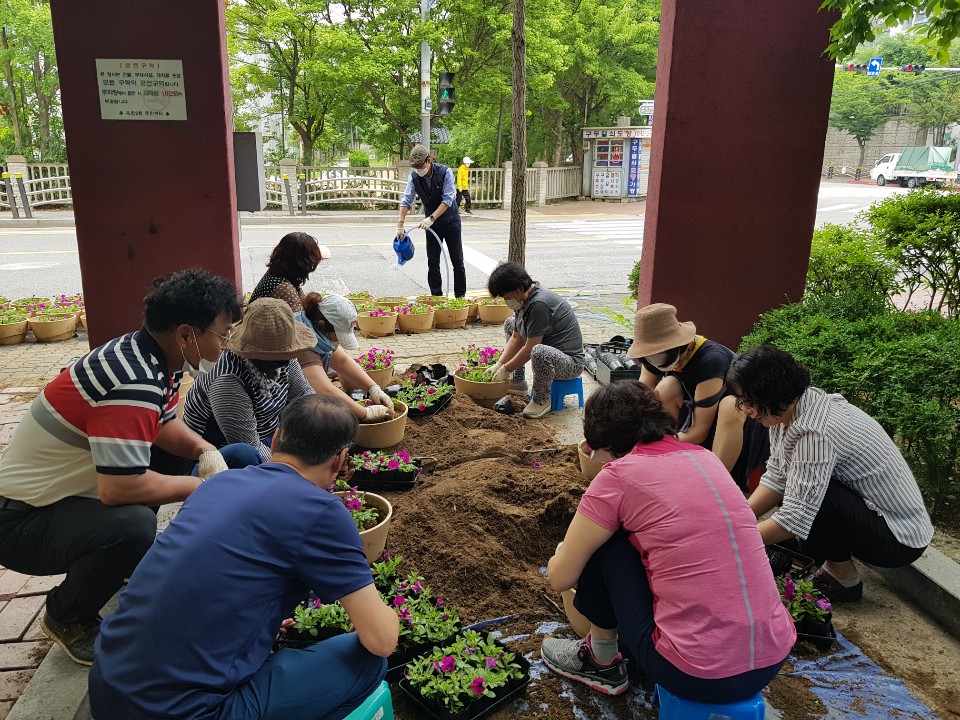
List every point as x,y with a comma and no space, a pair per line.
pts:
399,600
354,504
448,663
537,465
441,602
403,613
421,406
477,686
444,617
393,464
469,650
417,587
318,603
824,605
491,662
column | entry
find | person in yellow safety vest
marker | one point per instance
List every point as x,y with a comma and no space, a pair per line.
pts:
463,184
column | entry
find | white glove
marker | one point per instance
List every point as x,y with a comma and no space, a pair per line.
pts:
376,413
427,222
495,368
500,373
377,394
211,462
400,231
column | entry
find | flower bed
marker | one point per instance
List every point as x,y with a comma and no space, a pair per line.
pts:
810,610
423,398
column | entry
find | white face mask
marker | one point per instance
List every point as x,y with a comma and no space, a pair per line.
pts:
205,365
422,172
513,304
661,361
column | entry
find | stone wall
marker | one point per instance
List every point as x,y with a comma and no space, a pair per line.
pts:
842,149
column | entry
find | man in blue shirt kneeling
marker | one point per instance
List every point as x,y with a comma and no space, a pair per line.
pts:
192,636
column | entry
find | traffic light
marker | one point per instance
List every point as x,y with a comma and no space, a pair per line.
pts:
915,69
448,96
855,68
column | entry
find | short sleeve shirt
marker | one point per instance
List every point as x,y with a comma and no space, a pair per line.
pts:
201,610
716,606
545,314
274,286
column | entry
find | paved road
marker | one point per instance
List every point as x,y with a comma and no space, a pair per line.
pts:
567,251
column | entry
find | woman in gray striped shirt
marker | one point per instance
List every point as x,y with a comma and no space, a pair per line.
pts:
842,485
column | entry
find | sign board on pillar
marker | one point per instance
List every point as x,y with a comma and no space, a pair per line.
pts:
137,89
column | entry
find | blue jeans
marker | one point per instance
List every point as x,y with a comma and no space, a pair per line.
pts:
326,681
614,592
237,456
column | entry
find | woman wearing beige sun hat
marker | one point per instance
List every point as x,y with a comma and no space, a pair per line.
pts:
687,370
236,406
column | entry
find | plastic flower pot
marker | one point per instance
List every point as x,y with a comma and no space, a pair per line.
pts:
82,320
375,539
483,393
46,329
588,466
415,323
431,299
494,314
450,319
29,302
377,436
379,326
380,377
820,633
390,302
13,333
474,307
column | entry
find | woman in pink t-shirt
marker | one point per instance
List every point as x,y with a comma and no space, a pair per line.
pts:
668,562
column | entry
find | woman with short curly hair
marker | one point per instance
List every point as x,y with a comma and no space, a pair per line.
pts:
291,262
667,561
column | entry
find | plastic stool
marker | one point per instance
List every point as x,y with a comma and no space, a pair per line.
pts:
559,389
676,708
379,706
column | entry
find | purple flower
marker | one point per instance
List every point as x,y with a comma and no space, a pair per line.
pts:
417,587
354,504
537,465
441,602
403,455
477,686
789,590
808,596
403,613
387,555
431,391
399,600
824,605
469,650
318,603
393,464
448,663
421,406
444,617
491,662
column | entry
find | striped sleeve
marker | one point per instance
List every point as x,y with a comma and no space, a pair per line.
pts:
808,477
122,428
297,381
234,413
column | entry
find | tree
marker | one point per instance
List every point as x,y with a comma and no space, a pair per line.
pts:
859,22
933,100
859,107
517,248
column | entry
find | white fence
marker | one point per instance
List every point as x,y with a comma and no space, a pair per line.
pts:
296,189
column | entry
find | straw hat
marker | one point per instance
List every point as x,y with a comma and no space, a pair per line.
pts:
656,330
268,331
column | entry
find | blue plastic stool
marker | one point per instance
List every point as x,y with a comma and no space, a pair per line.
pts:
559,389
676,708
379,706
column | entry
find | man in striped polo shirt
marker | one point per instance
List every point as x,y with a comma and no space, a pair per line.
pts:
842,485
78,492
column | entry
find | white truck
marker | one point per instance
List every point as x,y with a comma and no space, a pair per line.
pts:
914,167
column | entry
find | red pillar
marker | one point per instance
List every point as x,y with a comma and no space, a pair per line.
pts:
150,196
742,100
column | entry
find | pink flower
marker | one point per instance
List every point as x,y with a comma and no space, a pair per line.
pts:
537,465
824,605
448,663
318,603
417,587
444,617
477,686
399,600
354,504
393,464
441,602
491,662
421,407
403,455
789,590
431,391
403,613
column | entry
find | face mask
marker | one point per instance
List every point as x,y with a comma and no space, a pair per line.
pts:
422,172
665,361
205,365
514,304
324,343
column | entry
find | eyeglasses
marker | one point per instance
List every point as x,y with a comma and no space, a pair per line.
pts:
224,339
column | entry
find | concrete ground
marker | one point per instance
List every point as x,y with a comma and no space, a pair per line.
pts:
37,683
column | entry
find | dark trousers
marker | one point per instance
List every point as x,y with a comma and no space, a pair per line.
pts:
96,545
845,526
614,592
450,234
465,194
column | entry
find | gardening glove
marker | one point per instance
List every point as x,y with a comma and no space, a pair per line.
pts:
495,368
500,373
400,231
211,462
376,413
377,394
427,222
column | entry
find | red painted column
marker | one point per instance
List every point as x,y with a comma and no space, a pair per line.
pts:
150,196
742,99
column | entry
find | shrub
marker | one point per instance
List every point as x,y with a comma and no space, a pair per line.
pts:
359,158
846,258
633,279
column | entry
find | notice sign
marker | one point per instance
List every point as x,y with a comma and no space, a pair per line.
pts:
141,89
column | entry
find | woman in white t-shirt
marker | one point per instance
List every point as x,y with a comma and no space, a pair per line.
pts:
668,561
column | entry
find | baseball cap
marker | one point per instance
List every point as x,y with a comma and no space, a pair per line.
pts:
418,156
342,314
324,252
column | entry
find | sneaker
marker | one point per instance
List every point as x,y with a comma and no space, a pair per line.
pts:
829,586
518,388
535,410
468,212
76,639
574,660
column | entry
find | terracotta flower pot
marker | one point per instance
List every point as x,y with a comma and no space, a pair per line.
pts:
380,377
588,466
375,539
411,323
431,299
449,319
377,436
82,320
390,302
13,333
29,302
494,314
379,326
483,393
474,307
46,330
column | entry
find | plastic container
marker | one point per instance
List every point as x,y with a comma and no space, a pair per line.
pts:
602,370
377,436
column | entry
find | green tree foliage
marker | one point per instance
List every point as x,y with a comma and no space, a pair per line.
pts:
859,107
31,121
861,21
932,100
846,259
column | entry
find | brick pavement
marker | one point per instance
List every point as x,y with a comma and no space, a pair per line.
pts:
27,367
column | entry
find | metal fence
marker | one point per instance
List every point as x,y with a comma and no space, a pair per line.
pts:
563,182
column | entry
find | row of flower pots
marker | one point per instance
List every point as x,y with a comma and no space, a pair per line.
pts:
46,328
380,317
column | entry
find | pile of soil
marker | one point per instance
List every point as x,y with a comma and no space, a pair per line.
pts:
481,527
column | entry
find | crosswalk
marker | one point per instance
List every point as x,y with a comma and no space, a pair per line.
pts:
852,208
626,231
